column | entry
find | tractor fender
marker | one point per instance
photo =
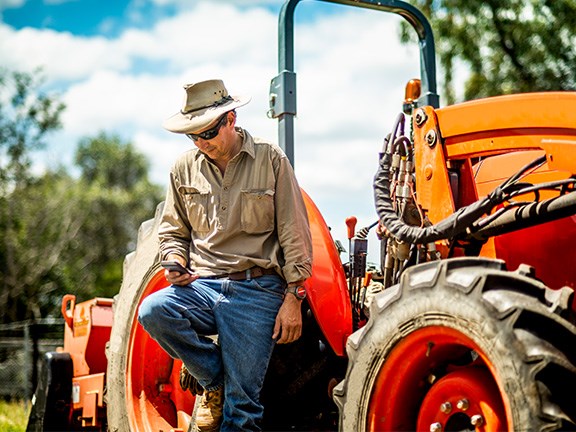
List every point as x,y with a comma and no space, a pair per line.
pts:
326,289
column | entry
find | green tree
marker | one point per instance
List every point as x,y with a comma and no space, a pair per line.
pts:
509,46
27,115
119,198
109,162
71,235
45,223
58,233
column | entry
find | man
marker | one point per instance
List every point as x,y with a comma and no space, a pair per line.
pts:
234,214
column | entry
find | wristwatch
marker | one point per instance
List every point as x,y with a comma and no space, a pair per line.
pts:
298,290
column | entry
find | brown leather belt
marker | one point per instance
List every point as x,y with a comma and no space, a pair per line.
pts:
251,273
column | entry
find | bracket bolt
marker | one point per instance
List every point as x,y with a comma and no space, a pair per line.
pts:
431,138
477,420
420,117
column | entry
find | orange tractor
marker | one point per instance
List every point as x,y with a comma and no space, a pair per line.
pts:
467,324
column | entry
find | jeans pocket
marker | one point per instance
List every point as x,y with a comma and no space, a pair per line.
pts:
270,284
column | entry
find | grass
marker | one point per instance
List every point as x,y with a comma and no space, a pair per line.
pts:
13,416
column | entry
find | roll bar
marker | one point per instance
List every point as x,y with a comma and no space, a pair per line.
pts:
283,86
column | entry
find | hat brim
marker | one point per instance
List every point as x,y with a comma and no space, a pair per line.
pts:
197,121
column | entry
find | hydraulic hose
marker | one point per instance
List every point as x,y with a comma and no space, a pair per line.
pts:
528,215
448,228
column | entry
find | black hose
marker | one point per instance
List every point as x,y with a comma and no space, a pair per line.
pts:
448,228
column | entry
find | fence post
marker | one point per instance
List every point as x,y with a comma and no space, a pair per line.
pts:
28,364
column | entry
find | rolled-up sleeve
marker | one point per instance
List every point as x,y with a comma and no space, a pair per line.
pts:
292,224
174,231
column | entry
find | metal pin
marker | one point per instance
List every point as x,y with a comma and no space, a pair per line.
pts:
446,407
477,420
436,427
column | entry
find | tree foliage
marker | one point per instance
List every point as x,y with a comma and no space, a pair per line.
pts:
60,234
119,198
27,115
509,46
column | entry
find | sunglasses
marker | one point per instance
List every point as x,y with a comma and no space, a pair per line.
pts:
210,133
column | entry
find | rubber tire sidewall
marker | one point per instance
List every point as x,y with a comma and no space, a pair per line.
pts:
139,267
411,309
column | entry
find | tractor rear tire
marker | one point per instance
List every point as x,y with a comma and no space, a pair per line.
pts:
137,267
461,343
142,381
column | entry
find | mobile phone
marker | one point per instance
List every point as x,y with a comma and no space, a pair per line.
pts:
175,266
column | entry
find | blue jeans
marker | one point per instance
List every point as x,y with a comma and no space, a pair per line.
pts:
243,314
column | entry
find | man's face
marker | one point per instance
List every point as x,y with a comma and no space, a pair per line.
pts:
223,143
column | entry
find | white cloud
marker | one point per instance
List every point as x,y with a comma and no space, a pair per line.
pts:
62,55
5,4
351,72
240,3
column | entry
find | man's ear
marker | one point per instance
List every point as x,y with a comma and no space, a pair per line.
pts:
232,118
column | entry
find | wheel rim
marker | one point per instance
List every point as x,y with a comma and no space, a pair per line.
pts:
436,378
155,400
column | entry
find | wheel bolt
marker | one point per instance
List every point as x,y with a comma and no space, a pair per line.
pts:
477,420
463,404
165,388
446,407
436,427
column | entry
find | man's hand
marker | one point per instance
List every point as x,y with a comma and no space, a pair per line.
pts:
177,278
288,326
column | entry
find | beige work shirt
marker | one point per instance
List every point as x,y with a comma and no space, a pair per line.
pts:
253,215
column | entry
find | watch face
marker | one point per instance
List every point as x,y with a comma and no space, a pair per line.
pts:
298,291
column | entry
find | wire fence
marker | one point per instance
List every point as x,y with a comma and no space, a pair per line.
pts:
22,348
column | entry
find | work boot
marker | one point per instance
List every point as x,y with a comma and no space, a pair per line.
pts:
188,382
209,412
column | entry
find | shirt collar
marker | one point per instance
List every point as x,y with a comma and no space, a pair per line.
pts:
247,142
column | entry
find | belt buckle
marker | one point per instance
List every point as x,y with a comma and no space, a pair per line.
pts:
249,274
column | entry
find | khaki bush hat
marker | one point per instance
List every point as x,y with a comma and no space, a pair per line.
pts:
205,101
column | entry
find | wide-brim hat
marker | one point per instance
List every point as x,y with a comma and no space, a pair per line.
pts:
205,101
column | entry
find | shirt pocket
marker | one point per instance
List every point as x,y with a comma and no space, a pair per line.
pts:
257,211
196,203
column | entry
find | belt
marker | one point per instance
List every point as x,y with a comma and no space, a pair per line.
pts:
251,273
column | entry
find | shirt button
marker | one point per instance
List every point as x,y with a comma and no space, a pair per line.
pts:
225,188
223,207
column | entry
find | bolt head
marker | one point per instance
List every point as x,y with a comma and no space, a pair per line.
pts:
165,388
420,117
431,137
446,407
463,404
477,420
436,427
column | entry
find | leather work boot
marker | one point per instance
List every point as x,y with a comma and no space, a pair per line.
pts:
209,412
188,382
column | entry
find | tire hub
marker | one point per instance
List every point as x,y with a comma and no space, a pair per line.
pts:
465,399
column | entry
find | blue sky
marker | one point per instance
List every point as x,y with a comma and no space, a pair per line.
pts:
87,17
110,18
120,65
